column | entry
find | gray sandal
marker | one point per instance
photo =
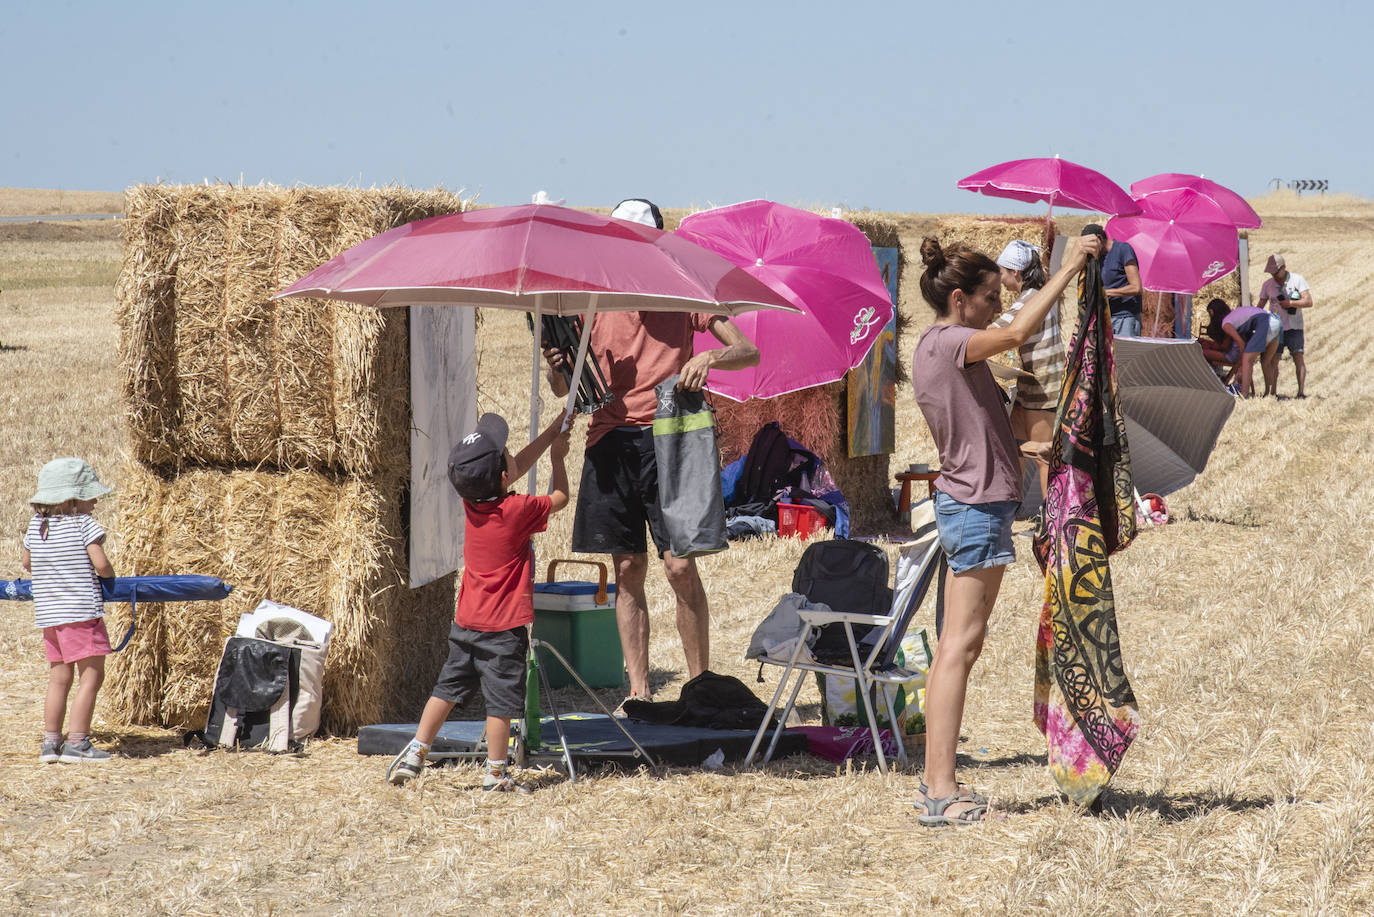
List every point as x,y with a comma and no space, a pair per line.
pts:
933,812
978,798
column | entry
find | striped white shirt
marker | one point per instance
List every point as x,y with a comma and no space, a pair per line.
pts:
1043,356
65,587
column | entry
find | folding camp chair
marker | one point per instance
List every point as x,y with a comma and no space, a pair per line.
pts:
874,668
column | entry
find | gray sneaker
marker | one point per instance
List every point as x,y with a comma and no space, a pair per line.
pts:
407,765
82,752
505,783
50,753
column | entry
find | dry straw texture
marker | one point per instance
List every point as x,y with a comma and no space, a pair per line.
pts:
217,373
331,546
1248,633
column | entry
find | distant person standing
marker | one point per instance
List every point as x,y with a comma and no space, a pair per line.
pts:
1120,281
1287,294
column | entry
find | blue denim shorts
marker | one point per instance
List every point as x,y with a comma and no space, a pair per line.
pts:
975,536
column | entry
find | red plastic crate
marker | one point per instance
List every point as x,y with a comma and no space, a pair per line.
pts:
798,521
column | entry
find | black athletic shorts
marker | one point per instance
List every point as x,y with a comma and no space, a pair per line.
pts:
618,496
495,660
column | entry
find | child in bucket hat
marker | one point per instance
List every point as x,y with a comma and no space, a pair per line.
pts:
64,551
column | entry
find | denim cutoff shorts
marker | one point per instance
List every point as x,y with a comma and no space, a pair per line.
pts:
975,536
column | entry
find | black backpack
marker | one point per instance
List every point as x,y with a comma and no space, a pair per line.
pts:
767,466
848,576
254,697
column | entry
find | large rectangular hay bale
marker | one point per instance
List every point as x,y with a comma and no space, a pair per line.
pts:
218,374
330,545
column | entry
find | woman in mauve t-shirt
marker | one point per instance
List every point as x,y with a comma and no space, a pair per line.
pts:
979,486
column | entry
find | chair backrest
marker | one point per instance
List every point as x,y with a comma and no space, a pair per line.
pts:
917,566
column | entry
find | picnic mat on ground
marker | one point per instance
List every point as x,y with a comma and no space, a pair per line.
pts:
591,737
1083,701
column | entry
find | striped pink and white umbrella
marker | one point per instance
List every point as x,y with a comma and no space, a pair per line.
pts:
537,258
560,260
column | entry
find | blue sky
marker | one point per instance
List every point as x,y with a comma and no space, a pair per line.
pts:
857,104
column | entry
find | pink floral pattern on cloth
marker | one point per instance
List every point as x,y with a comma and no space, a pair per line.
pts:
1083,701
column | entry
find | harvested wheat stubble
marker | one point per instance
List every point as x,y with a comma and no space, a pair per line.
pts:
217,373
816,417
328,545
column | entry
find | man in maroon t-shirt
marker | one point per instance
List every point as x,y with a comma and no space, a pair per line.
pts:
618,494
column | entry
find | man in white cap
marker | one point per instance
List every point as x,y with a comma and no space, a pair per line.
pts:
1287,294
618,494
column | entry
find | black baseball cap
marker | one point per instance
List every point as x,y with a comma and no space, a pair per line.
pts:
1093,229
476,462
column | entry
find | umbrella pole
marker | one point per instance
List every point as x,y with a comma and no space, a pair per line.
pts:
581,360
532,479
1159,304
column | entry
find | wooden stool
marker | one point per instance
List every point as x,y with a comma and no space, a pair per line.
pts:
904,498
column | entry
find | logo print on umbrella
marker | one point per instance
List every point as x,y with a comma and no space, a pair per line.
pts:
864,319
1213,269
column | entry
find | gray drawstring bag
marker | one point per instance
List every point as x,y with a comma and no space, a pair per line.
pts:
689,493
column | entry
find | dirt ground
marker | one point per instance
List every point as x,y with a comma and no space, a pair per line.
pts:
1247,627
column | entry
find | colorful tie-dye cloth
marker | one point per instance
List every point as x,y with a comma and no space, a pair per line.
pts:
1083,701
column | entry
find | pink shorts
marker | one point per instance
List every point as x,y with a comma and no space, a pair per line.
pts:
74,642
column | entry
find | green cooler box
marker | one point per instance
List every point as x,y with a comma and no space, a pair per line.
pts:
577,618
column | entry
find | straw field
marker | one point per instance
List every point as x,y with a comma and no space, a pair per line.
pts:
1248,631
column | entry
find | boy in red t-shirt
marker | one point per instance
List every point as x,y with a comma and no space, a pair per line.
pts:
490,635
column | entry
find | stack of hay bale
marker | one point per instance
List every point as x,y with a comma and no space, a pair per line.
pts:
816,417
270,445
991,235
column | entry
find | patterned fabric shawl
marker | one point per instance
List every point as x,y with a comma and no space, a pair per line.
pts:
1083,701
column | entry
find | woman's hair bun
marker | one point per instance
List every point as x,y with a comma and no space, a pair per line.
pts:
932,255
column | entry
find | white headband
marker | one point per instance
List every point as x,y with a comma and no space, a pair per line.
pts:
1018,255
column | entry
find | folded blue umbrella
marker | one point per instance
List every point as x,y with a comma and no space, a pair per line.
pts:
188,587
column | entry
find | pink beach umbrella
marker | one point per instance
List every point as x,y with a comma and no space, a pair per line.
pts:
557,259
1054,181
537,258
1183,240
822,266
1236,208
